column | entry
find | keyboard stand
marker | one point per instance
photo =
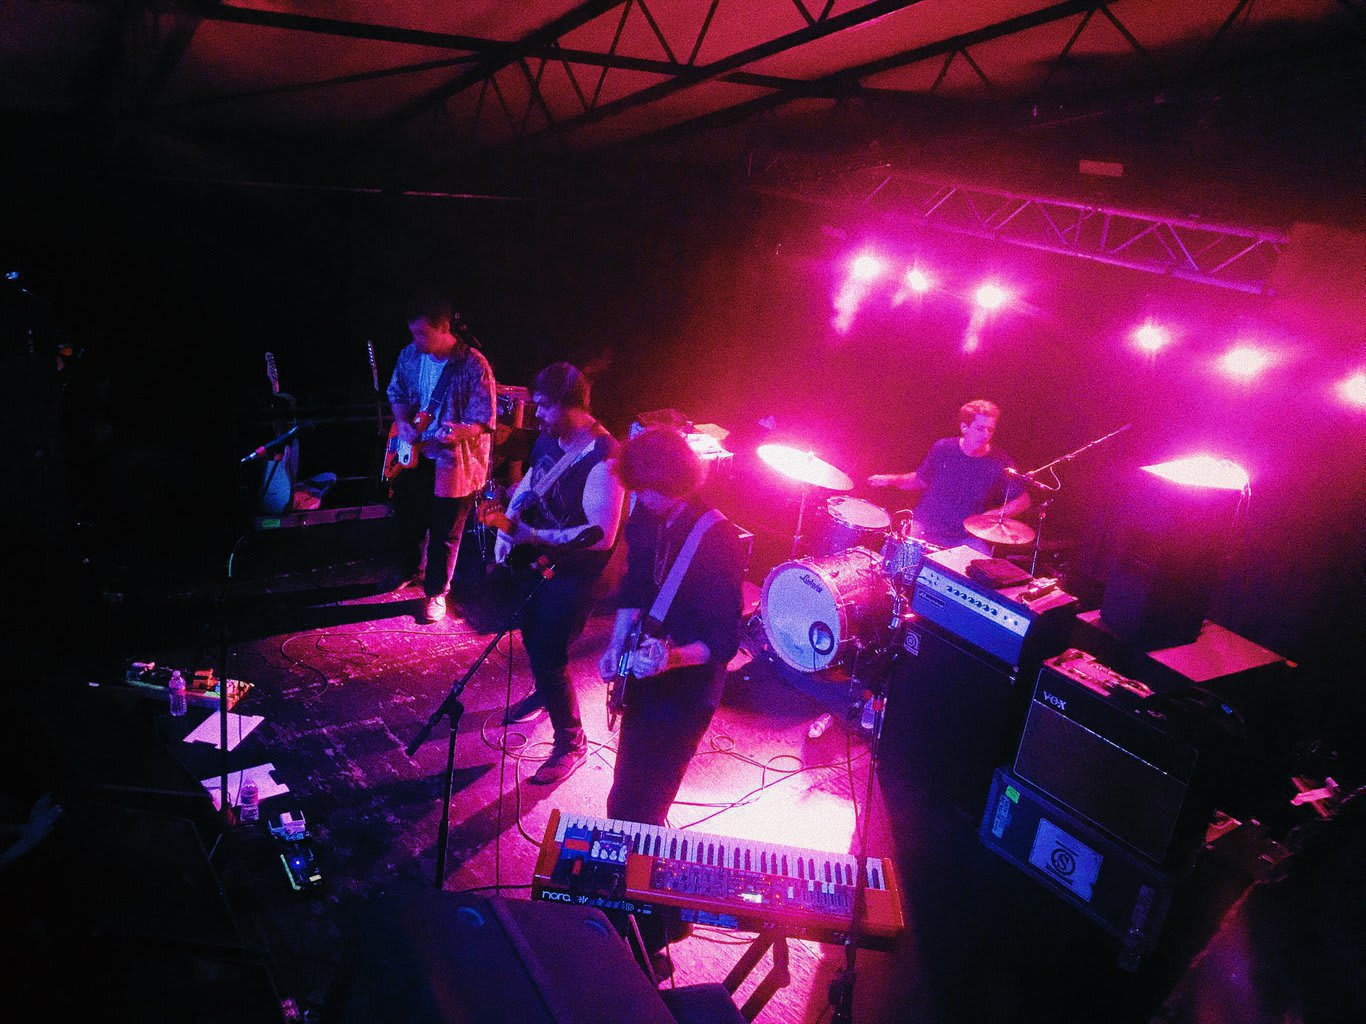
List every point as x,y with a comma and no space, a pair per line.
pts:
776,978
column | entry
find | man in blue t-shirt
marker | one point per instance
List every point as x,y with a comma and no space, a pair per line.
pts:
961,477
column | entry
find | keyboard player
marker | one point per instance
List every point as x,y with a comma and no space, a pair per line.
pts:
679,674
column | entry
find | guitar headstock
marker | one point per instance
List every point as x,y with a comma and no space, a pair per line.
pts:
272,374
374,369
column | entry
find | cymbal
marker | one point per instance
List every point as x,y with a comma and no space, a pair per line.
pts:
804,467
995,530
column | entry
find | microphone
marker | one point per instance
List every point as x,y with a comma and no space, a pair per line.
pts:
275,442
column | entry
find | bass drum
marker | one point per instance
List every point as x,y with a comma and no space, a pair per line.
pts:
818,611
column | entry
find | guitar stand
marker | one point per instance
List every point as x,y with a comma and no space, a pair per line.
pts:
777,977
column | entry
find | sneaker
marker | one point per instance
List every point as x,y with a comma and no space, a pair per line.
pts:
559,766
435,610
528,709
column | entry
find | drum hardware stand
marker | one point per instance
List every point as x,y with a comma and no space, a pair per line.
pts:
801,513
841,991
1030,479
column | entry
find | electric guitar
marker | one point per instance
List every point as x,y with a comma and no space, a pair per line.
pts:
618,687
491,513
400,454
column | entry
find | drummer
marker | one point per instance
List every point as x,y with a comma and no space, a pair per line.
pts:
960,477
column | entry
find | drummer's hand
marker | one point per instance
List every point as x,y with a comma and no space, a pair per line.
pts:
651,658
880,480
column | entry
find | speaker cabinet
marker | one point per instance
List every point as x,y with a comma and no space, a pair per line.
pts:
1167,563
1096,743
443,958
950,720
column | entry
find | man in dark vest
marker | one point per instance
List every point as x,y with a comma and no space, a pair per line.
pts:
569,487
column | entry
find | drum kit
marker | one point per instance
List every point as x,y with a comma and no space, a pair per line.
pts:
848,596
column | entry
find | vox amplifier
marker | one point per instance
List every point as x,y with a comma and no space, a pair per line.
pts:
1102,746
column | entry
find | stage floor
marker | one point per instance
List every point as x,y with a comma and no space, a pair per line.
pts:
343,687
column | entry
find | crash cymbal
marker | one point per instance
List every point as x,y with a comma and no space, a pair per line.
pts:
804,467
995,530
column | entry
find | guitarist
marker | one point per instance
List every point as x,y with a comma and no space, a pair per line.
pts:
433,499
679,669
569,487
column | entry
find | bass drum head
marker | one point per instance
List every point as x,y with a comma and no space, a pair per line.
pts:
813,608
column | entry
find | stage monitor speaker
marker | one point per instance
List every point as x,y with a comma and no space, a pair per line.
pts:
1097,744
443,958
951,719
1167,564
1123,894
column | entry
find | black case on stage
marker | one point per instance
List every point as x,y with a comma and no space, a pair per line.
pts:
1122,893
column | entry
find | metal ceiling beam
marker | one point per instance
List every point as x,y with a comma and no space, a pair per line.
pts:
692,76
848,82
1224,256
547,35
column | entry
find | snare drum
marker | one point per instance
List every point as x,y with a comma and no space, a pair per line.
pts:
818,611
851,522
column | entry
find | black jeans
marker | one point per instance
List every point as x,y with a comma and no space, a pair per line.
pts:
553,619
431,525
658,739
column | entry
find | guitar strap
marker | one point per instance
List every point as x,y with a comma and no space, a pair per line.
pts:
443,384
679,569
540,486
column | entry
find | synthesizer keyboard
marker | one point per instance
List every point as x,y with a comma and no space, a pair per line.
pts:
716,880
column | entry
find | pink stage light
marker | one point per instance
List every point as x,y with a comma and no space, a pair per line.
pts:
991,296
918,281
1202,471
863,271
1245,361
1352,389
867,268
1151,338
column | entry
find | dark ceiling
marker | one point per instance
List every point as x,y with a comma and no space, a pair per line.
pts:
450,95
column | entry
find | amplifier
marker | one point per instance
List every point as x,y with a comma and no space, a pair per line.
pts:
1123,894
1099,745
998,622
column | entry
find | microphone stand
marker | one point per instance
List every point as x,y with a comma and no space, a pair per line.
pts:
452,708
841,991
1029,478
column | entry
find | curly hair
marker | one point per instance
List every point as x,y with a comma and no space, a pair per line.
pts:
659,459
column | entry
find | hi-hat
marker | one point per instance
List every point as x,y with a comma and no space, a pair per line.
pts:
995,530
804,467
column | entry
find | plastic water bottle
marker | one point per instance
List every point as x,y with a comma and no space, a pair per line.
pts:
249,810
870,709
175,690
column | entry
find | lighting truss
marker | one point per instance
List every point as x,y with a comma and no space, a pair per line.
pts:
1226,256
